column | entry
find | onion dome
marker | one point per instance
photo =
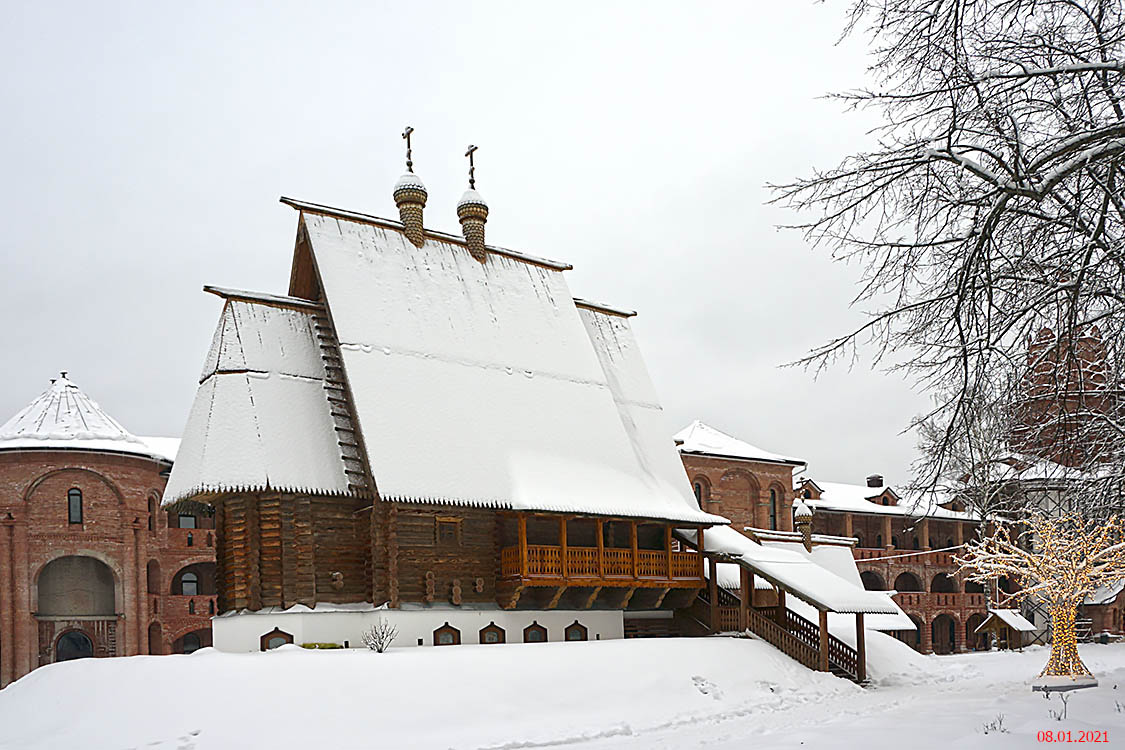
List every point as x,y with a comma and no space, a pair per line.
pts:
473,213
802,510
410,198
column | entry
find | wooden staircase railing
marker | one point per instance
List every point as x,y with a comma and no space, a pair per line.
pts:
797,637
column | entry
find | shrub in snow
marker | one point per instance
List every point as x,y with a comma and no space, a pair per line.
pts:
380,636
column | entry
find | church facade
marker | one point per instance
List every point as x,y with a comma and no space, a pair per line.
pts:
89,564
430,431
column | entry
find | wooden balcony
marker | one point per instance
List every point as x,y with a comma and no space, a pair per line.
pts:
601,566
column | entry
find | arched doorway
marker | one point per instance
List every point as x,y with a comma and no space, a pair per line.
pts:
943,634
908,582
73,644
872,581
191,642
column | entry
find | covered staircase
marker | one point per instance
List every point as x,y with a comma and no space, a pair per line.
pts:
788,632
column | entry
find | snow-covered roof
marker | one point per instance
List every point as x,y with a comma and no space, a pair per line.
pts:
856,498
488,371
801,574
1105,594
261,417
1010,617
705,440
63,417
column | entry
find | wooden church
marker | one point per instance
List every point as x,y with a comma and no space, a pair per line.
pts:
431,431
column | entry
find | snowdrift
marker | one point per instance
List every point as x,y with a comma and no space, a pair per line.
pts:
516,695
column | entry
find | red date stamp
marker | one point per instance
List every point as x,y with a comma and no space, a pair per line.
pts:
1065,735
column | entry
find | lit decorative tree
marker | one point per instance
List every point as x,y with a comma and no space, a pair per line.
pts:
1060,561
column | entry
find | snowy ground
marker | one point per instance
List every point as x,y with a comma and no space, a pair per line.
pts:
662,693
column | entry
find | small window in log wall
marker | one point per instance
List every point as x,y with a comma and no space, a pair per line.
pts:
274,638
535,633
447,532
576,631
492,633
447,635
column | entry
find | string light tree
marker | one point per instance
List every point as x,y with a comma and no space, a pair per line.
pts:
1069,558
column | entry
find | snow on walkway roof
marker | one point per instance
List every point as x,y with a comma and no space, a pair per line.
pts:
487,371
261,416
854,498
1009,617
63,417
1105,594
798,574
705,440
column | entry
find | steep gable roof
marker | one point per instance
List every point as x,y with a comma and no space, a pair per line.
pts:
477,383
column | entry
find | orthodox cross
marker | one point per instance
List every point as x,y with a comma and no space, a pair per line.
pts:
472,168
406,134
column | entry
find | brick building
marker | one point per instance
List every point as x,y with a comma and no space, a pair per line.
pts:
732,478
89,565
906,547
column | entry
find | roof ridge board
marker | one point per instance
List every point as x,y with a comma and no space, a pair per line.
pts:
444,236
263,298
602,307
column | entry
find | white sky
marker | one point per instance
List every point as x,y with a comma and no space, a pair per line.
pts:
144,149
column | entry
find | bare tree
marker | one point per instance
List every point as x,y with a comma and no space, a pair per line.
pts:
379,636
989,222
1058,560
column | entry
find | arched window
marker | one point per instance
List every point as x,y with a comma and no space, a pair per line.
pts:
492,633
949,543
699,492
190,540
576,631
859,541
189,584
702,489
74,505
807,495
152,514
447,635
534,633
191,607
773,510
191,643
274,638
915,543
211,607
879,541
894,542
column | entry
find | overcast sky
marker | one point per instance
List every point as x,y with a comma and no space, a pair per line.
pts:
144,150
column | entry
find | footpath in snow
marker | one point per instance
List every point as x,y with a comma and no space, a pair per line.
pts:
661,693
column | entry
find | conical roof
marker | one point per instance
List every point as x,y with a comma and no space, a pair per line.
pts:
63,417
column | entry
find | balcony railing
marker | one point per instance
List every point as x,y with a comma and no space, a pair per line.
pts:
547,561
955,600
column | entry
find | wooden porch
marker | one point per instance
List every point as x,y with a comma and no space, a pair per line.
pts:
595,554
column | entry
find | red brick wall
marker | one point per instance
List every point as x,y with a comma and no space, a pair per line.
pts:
740,490
115,530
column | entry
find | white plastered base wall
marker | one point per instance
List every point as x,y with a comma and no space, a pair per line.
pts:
242,632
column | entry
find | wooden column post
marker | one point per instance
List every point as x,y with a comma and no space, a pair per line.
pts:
779,616
601,549
848,530
925,530
958,533
823,640
633,544
522,523
668,547
562,547
713,593
745,592
887,532
860,647
750,574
